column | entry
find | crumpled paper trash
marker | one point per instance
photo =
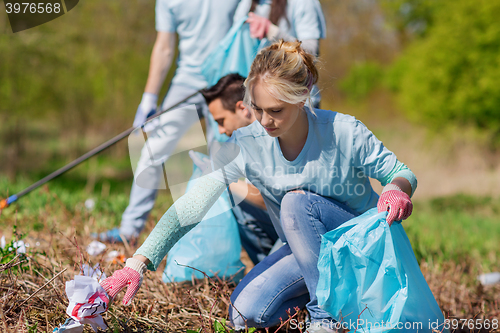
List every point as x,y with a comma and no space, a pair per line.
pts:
90,204
93,272
19,245
95,248
87,301
115,257
489,279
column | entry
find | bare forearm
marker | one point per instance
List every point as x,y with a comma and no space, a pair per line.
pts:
161,59
248,192
403,184
255,198
142,258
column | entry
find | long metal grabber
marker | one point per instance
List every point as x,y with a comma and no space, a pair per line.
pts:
13,198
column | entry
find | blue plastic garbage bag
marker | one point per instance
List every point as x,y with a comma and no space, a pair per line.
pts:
213,246
234,54
368,269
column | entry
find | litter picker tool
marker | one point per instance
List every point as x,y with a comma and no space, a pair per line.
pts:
13,198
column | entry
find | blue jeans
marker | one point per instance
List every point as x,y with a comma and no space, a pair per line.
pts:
288,277
256,230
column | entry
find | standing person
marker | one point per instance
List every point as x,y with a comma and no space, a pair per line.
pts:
288,20
199,25
312,168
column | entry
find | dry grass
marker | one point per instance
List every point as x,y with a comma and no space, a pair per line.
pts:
160,307
157,307
460,295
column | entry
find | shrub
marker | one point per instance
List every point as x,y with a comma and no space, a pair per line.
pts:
361,80
452,75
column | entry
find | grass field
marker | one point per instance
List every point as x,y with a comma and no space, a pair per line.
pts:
72,84
454,232
455,238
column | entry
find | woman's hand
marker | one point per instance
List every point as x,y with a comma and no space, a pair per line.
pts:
258,25
130,276
397,202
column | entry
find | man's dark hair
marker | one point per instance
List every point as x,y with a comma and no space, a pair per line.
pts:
229,89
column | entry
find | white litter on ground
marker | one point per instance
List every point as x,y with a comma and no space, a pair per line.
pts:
489,278
93,272
90,204
95,248
87,302
115,256
20,246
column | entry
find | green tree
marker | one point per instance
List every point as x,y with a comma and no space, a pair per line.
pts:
80,74
452,75
412,17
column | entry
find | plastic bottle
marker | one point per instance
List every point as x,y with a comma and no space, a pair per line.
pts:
489,278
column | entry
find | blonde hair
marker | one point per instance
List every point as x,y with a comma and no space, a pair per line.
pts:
287,70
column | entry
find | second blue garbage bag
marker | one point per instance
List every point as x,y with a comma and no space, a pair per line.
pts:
370,279
234,53
213,246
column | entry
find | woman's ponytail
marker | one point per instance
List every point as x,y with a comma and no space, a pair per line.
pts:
286,69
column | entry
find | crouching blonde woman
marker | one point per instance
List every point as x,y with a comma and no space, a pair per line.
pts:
312,168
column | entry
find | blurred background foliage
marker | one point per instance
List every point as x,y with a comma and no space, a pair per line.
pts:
452,73
448,71
73,82
80,77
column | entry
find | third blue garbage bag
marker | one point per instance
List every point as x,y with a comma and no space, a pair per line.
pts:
213,246
370,279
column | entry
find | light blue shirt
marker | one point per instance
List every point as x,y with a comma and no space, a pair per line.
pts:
200,25
339,156
304,18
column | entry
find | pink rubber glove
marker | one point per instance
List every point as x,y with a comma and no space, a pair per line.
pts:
397,202
130,276
258,25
